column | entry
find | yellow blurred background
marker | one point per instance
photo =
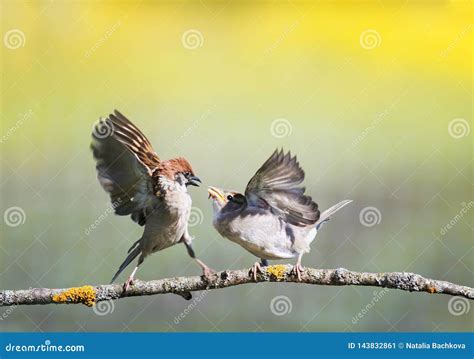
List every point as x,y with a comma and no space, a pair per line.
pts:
375,98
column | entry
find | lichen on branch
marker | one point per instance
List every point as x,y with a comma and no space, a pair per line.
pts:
84,295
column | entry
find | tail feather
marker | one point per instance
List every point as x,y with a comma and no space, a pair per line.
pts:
126,262
134,245
326,215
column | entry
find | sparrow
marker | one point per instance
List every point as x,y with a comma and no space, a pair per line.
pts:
274,219
140,184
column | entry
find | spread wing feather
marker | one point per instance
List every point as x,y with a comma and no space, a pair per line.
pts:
277,185
132,138
125,161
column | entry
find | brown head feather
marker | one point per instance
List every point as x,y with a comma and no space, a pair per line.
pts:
171,167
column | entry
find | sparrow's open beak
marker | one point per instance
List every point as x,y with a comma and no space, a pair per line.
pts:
216,194
193,181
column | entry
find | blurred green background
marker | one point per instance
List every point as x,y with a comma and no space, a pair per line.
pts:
375,98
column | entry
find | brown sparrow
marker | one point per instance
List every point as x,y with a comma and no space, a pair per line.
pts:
152,191
274,219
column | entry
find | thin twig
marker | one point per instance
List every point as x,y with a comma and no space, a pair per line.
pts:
90,295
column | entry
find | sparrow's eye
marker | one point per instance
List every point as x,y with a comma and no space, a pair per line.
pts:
230,198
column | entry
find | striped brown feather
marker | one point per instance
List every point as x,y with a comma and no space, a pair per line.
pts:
128,134
125,162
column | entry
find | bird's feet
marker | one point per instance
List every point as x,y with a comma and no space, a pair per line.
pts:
297,270
128,283
254,270
208,273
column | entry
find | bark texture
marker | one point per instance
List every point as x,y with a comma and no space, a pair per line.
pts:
89,295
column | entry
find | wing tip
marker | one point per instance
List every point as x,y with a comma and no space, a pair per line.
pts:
118,113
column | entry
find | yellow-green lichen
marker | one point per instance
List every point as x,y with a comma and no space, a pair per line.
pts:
84,295
278,271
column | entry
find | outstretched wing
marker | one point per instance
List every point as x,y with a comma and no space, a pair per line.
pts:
125,161
133,139
277,185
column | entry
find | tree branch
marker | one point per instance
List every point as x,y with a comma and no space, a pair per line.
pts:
89,295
